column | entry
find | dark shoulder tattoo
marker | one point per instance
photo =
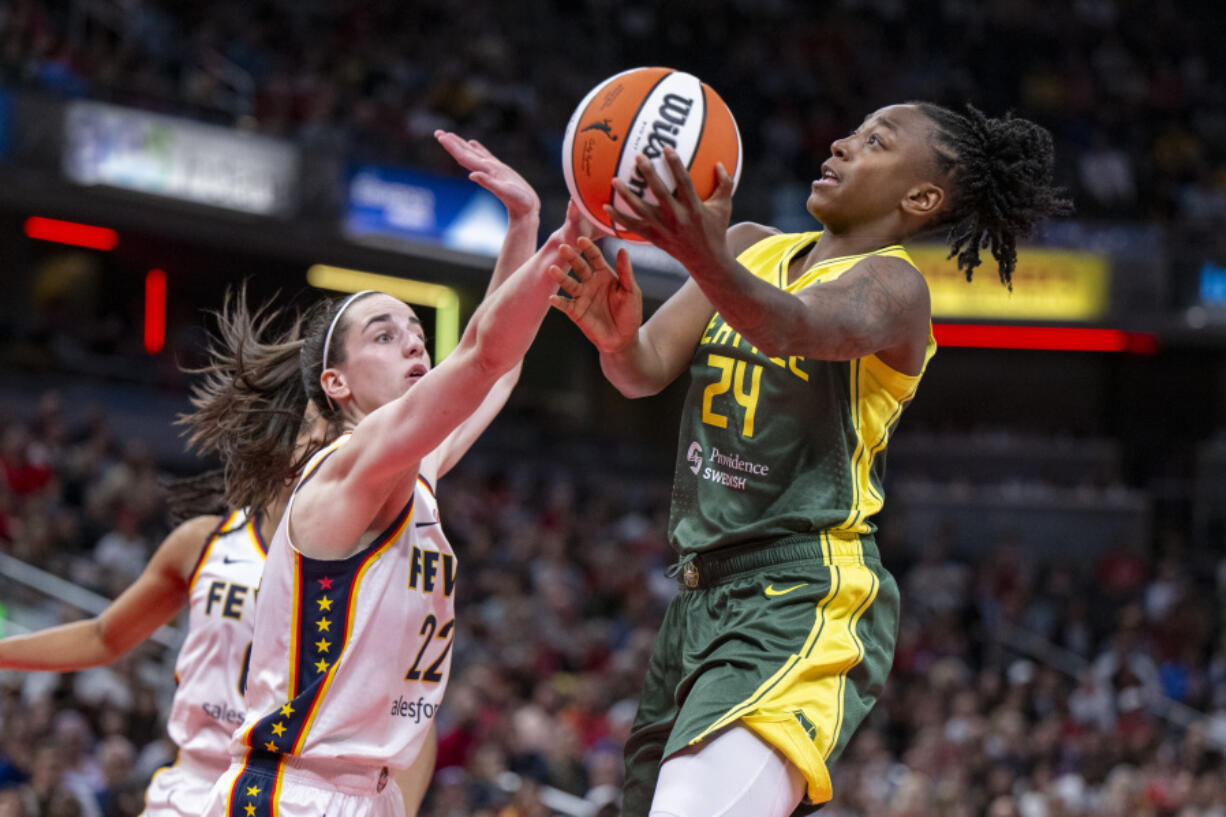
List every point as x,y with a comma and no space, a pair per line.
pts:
882,302
892,289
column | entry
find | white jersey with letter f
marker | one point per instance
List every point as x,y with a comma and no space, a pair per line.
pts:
349,660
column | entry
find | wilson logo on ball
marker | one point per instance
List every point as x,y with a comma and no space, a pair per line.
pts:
673,114
640,112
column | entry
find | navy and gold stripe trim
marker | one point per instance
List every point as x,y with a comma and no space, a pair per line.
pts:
320,456
256,787
207,547
256,536
325,592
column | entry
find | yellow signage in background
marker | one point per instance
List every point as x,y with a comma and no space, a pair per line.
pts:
444,299
1048,285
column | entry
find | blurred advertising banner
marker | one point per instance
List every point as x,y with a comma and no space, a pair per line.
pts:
179,159
1048,285
6,122
395,203
1212,284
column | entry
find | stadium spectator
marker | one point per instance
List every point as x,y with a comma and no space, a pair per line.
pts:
1124,93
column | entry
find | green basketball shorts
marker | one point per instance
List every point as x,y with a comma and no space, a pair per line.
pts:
793,640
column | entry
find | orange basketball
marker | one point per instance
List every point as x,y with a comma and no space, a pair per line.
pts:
643,110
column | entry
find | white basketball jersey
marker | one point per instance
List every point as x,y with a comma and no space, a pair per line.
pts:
351,656
210,669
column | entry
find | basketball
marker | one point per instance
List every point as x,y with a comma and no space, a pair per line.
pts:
642,111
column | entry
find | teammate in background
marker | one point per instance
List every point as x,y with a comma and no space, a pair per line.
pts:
803,351
353,631
212,565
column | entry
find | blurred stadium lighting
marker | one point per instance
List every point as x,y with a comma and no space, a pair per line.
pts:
443,299
155,311
69,232
1045,338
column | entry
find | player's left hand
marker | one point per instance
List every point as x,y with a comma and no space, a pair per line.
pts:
680,223
492,173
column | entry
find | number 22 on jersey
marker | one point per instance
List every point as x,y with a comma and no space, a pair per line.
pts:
430,632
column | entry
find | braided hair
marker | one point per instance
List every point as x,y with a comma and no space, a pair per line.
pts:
1001,175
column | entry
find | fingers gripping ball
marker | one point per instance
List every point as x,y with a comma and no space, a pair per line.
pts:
642,111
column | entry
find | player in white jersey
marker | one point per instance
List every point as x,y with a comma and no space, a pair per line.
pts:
356,613
211,666
324,723
213,565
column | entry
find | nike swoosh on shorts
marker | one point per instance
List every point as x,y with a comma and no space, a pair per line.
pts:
771,591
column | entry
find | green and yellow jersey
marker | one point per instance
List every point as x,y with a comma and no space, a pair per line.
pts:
775,447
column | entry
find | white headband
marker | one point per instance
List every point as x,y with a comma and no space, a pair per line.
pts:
332,326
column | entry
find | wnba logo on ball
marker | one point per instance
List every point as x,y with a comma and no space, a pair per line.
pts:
694,457
604,127
670,119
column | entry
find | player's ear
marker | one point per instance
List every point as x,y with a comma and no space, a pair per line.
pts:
924,200
332,381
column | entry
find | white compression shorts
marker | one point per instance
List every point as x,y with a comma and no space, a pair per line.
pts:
734,774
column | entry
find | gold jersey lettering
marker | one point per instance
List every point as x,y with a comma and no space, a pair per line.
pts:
723,333
748,400
725,365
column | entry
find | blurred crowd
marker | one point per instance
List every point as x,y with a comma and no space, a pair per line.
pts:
85,506
1119,710
1132,91
1023,685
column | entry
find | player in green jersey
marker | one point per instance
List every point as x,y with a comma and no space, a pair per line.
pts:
803,351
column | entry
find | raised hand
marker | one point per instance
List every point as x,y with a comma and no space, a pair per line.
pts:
680,223
607,307
491,173
577,226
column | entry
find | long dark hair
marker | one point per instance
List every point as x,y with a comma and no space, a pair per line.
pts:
202,494
248,401
1001,172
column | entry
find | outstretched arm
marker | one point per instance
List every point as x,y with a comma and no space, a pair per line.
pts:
522,203
880,305
391,442
152,600
523,221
